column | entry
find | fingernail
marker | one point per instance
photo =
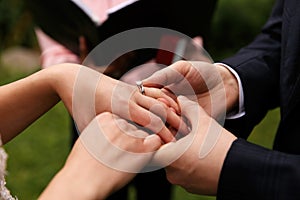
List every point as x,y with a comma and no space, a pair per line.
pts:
173,110
149,137
180,97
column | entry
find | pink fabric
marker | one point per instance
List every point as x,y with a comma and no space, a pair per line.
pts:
52,52
101,9
55,53
98,8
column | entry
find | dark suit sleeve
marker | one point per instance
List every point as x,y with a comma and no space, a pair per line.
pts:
258,67
253,172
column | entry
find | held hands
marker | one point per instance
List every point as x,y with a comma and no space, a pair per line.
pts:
200,154
87,93
195,161
214,87
112,149
204,149
87,175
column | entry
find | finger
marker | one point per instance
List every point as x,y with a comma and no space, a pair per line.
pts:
125,135
122,153
157,79
209,129
165,155
152,142
165,113
151,121
129,128
159,94
166,76
163,100
169,92
158,107
166,135
176,122
171,152
191,110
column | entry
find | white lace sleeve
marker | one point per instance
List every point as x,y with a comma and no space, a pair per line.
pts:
4,192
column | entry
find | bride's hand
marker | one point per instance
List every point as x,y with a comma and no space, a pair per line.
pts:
90,93
107,155
128,102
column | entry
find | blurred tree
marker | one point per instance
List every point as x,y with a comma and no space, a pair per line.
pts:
236,23
15,24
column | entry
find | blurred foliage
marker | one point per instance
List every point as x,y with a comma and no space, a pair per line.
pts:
16,27
235,24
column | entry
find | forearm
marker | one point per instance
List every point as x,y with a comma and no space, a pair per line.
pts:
84,176
65,186
25,100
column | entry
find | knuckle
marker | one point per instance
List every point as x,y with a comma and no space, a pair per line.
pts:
181,62
172,179
103,116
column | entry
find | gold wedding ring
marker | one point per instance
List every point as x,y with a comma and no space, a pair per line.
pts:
140,86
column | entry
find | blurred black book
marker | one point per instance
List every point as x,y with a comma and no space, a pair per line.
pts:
64,21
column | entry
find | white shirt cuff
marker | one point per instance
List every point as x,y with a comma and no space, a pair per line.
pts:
241,111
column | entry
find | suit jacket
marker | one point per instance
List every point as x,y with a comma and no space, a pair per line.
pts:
269,69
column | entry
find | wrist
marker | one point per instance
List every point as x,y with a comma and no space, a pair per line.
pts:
65,186
62,79
231,88
85,176
106,88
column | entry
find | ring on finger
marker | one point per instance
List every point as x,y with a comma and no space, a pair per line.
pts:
140,86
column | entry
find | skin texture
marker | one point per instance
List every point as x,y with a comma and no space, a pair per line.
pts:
214,92
91,174
197,174
213,86
24,101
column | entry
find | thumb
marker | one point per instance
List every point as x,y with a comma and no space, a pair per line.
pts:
157,79
152,142
163,77
170,152
191,110
211,130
